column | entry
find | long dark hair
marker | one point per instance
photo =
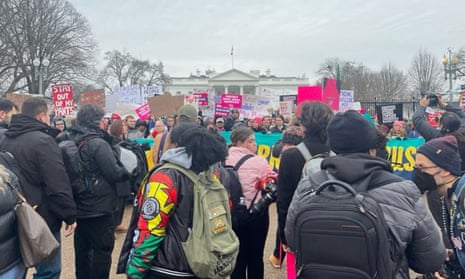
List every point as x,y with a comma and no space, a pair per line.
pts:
315,117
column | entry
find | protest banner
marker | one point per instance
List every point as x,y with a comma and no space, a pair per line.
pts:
129,94
201,98
387,114
331,94
150,91
63,99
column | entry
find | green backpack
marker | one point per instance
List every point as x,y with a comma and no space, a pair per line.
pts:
212,247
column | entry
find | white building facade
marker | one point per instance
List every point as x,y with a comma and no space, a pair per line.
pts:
235,81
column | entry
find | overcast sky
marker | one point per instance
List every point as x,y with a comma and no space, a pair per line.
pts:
289,37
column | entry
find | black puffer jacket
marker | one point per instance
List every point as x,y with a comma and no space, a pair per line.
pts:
102,166
47,185
9,244
404,209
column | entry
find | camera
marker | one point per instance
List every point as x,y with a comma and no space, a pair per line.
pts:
269,195
433,98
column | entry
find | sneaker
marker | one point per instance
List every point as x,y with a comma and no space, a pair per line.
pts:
275,262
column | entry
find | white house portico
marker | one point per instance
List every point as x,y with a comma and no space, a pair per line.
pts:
234,81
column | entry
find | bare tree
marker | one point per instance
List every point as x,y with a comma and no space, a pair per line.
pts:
392,82
425,73
43,29
123,69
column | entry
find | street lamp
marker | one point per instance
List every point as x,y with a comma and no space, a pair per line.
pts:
450,62
40,71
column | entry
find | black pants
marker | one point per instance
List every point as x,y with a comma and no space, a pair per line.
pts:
252,237
94,240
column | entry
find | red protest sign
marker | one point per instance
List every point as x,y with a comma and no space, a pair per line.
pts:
63,99
202,98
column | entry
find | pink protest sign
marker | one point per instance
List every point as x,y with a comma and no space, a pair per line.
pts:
331,94
143,111
63,99
202,98
309,93
231,100
221,111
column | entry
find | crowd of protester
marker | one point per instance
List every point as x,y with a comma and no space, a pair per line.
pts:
32,136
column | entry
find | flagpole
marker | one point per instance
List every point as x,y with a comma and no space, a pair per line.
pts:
232,57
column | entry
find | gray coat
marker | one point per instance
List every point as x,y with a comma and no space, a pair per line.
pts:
402,205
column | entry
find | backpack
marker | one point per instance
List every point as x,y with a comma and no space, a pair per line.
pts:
75,168
212,247
312,163
132,156
239,212
337,232
9,162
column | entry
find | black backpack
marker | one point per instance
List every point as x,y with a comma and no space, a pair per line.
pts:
142,167
80,179
337,232
240,214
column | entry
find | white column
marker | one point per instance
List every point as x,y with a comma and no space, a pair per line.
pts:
242,90
225,89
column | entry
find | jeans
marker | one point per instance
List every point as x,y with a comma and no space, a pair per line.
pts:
52,268
94,240
16,272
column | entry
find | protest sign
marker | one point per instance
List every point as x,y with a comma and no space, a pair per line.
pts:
63,99
143,111
231,100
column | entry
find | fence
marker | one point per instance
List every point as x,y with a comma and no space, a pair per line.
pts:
408,106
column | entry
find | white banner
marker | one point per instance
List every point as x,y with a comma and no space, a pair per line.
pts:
129,94
346,100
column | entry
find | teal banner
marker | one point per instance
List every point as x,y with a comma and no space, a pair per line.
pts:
401,151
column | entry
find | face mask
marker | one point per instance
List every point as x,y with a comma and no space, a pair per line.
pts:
425,182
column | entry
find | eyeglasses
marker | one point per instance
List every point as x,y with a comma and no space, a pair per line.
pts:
423,168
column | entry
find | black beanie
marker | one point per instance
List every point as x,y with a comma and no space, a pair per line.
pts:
350,132
444,153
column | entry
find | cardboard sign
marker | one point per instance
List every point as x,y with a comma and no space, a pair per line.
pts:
143,111
165,105
63,99
231,100
93,97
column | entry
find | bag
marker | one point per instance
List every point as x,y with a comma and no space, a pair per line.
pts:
338,233
8,161
212,247
37,244
132,156
312,163
239,212
75,167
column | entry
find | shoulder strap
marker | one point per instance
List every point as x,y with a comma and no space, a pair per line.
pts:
162,145
242,161
190,174
304,151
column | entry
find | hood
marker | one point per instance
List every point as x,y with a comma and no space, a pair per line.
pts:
354,168
177,156
21,124
78,132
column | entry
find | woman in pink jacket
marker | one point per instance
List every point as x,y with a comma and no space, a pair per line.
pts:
252,232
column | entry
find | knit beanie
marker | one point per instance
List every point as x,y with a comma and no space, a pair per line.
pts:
444,153
350,132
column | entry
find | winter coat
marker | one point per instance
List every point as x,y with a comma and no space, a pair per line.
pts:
38,156
429,132
290,172
250,172
9,244
104,170
400,200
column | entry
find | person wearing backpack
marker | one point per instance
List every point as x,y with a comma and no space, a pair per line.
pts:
253,231
314,118
165,210
97,201
437,170
403,233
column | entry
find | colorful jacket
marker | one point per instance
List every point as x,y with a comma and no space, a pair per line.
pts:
166,198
